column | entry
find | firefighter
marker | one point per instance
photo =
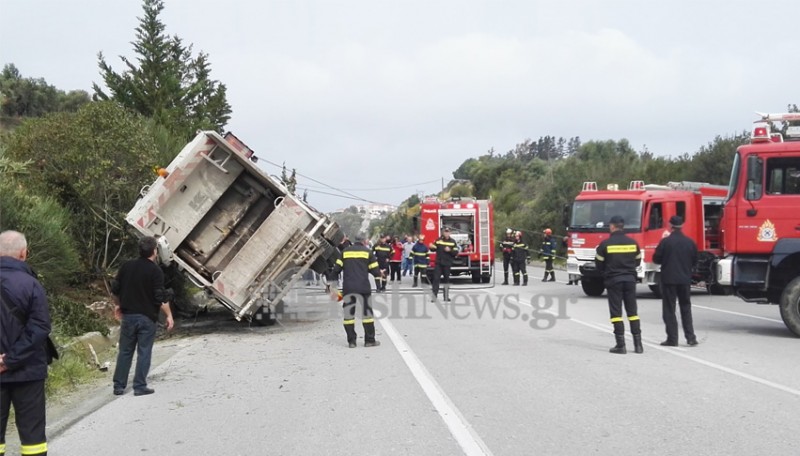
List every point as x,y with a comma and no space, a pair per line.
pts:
446,250
519,260
419,253
548,253
383,252
507,247
617,258
356,264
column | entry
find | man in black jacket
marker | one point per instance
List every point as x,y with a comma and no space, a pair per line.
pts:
677,255
446,250
617,259
508,248
356,264
138,292
23,346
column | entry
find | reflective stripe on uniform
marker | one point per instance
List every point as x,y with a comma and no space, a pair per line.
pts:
633,318
2,448
630,248
616,319
420,253
446,243
421,266
34,449
339,262
639,256
368,320
599,258
383,249
373,265
356,254
350,322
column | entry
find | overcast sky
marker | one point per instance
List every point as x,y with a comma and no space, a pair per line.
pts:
371,94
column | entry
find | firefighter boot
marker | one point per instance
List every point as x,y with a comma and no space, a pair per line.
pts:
552,276
369,333
516,278
446,293
505,278
637,343
414,284
524,279
620,347
350,330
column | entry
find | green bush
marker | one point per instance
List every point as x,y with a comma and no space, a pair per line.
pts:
71,318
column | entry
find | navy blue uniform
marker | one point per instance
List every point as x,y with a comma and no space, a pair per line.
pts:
356,264
617,259
677,255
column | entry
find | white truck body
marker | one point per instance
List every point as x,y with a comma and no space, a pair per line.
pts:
232,229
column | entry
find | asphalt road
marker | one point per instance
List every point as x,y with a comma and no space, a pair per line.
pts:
489,373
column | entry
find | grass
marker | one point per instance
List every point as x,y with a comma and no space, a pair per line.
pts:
74,368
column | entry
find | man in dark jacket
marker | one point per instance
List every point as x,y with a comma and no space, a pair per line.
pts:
446,250
617,259
507,246
139,294
23,346
548,254
677,255
519,260
419,254
356,264
383,253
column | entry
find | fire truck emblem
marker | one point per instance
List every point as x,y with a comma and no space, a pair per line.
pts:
767,233
430,226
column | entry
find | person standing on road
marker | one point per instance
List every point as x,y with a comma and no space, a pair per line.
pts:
419,253
507,246
446,250
396,260
548,254
24,328
138,293
383,252
519,262
677,255
408,258
617,258
356,264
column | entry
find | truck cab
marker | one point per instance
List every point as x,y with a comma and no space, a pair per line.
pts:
646,210
760,258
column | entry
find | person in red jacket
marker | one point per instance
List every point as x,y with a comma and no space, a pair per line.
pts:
396,261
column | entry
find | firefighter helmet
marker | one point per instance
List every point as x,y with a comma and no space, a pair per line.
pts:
548,231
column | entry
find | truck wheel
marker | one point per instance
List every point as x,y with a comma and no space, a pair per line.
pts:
592,287
486,279
656,289
790,306
476,277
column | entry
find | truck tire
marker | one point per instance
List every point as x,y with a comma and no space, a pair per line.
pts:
476,277
592,287
790,306
486,278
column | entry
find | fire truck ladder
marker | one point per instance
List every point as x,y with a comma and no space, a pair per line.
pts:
486,242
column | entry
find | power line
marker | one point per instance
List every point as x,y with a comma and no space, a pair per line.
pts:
350,195
381,188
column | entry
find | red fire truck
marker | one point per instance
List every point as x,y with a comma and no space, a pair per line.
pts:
760,258
471,226
646,210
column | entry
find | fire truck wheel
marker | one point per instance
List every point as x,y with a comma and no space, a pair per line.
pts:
476,277
790,306
592,287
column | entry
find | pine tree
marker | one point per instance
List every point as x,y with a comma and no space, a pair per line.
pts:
165,82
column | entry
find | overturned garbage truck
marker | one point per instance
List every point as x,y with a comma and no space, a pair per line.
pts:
233,230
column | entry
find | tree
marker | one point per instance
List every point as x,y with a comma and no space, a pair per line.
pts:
33,97
166,82
93,163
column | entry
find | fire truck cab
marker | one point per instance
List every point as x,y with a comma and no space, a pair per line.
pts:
646,210
471,226
760,258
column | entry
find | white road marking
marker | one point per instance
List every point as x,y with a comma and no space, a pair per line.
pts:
462,431
738,313
681,353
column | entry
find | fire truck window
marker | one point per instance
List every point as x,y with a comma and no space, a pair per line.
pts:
680,209
656,217
783,176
